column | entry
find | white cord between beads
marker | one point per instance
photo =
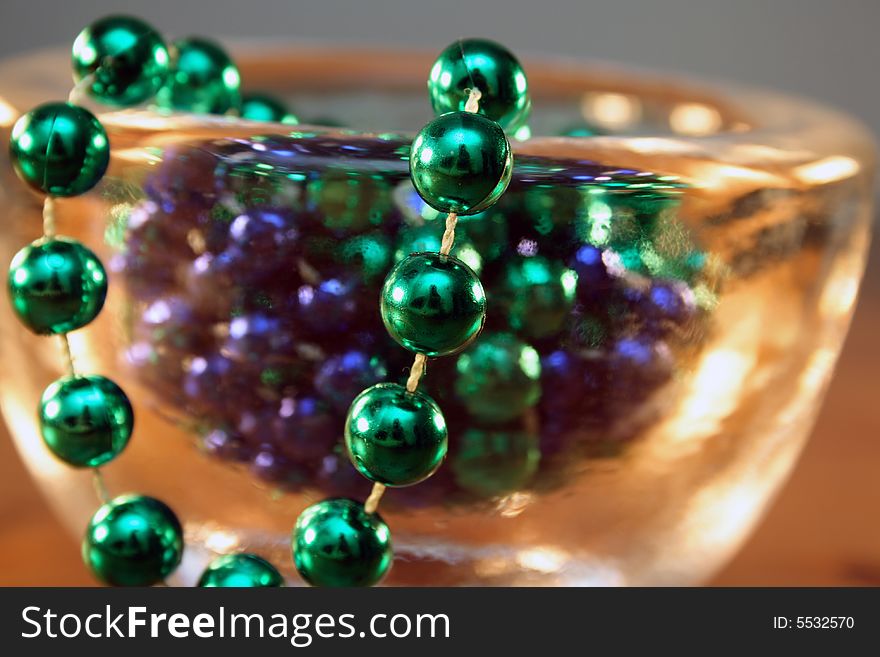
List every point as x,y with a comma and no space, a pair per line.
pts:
418,367
49,218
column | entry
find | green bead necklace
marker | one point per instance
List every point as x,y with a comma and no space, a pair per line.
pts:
432,302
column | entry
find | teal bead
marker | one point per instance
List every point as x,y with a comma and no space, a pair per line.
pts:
56,286
489,67
59,149
461,162
85,420
428,238
240,571
203,79
369,255
498,378
489,462
337,543
133,540
395,437
262,107
126,57
433,304
538,294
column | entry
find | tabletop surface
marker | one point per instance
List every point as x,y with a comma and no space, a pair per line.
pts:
822,529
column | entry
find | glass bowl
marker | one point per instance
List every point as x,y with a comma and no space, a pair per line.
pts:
669,281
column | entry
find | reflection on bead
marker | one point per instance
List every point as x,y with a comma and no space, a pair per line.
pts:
59,149
461,162
56,286
433,304
342,377
498,378
133,540
126,57
487,66
86,420
490,462
336,543
240,571
538,294
203,79
395,437
262,107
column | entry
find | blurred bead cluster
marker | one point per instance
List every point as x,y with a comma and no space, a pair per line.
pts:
255,266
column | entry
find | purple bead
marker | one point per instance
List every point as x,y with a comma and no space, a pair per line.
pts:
276,469
561,376
257,337
593,279
226,445
306,429
172,323
342,377
184,177
331,306
337,477
265,233
214,387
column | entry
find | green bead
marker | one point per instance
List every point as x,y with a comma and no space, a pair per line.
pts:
492,462
240,571
498,378
203,79
85,420
428,238
489,67
369,254
461,162
262,107
133,540
350,201
59,149
126,58
56,286
433,304
395,437
538,294
337,543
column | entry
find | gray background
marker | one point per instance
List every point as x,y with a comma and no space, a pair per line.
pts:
827,49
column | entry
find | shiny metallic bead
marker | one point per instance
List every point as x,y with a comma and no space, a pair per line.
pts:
538,294
56,286
85,420
337,543
433,304
240,571
133,540
489,67
203,79
59,149
395,437
262,107
461,162
126,57
498,378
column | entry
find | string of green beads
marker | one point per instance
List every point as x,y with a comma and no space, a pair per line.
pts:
133,540
433,304
86,420
337,543
203,79
59,149
126,57
487,66
461,162
56,286
395,437
240,571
